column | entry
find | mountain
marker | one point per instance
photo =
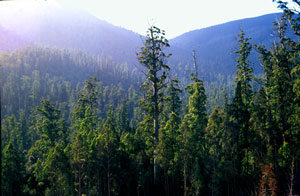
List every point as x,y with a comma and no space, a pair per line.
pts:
63,28
59,27
215,45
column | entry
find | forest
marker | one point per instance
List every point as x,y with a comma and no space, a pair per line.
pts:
76,124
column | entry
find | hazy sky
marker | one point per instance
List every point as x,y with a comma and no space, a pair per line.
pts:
174,16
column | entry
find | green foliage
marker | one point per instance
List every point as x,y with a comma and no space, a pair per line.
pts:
244,74
193,130
62,135
52,134
12,171
87,98
108,144
152,57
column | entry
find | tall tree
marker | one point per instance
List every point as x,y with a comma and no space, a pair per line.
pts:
281,64
170,139
244,74
51,130
193,131
88,97
13,171
152,57
108,142
241,112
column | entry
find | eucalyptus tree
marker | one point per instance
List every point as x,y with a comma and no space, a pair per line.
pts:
153,58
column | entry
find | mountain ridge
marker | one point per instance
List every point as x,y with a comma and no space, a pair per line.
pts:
69,29
216,44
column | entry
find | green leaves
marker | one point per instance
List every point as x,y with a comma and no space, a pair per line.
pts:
88,97
153,59
244,74
12,171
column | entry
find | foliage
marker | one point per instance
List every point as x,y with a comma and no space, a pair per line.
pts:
65,135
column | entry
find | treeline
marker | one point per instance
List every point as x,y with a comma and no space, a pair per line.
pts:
107,137
32,74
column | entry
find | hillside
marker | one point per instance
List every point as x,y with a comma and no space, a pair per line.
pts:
73,29
215,45
78,116
70,29
30,75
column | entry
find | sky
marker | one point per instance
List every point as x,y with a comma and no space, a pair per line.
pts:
174,16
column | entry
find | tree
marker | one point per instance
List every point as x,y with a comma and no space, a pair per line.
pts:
79,154
85,127
281,64
240,112
57,168
169,145
244,74
217,143
195,123
12,174
51,131
291,12
152,57
49,124
193,132
88,97
108,142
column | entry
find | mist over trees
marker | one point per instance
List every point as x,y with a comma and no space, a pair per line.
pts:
75,124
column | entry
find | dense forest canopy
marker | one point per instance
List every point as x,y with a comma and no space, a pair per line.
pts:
76,123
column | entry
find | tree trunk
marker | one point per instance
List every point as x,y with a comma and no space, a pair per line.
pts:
167,191
156,128
185,166
79,180
108,179
108,172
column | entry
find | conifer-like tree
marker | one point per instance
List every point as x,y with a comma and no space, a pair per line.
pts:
107,143
192,128
170,143
51,131
241,111
152,57
12,173
280,91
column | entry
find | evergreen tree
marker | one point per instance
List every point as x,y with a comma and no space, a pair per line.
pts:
12,171
217,144
240,111
88,97
169,145
51,130
281,63
193,132
152,57
80,150
85,130
244,74
108,143
79,154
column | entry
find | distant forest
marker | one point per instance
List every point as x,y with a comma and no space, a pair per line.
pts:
76,124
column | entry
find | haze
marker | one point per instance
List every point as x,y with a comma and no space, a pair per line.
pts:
174,16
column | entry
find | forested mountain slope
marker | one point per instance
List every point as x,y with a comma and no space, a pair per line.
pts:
30,75
73,29
73,123
215,45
